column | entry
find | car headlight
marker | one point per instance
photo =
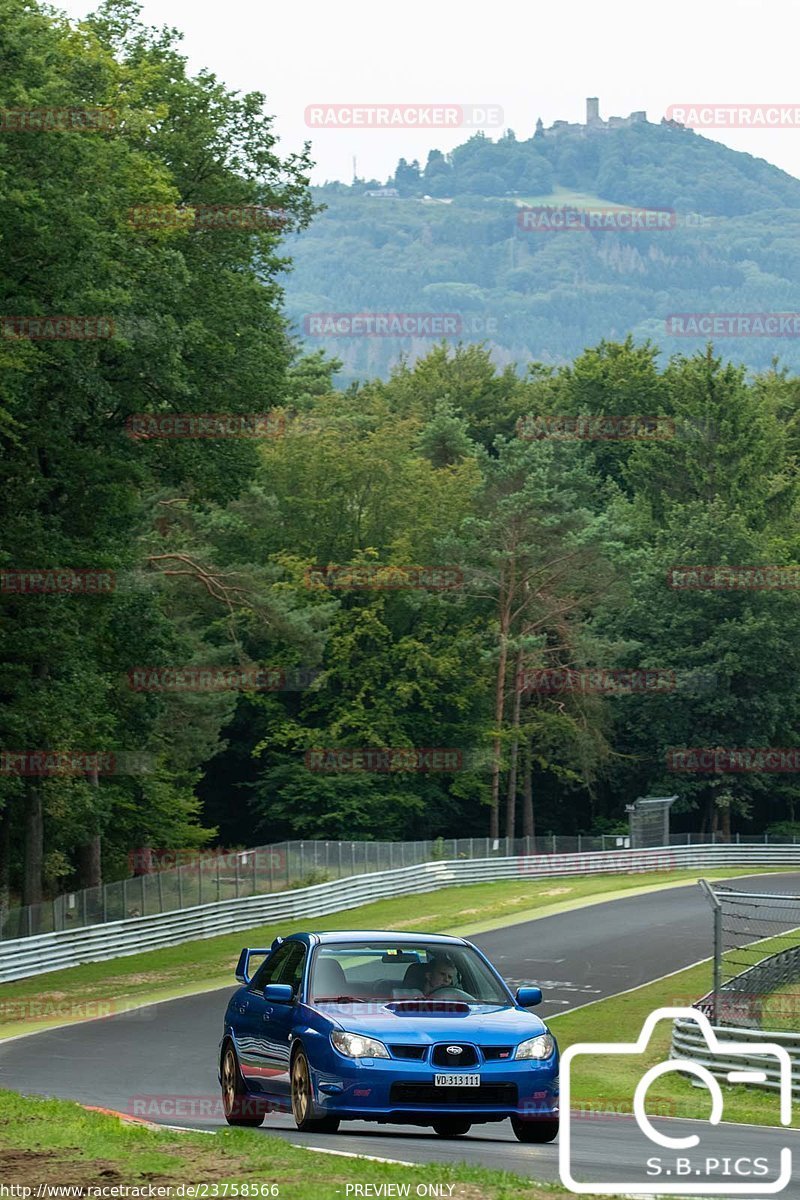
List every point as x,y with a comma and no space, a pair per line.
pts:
355,1045
539,1047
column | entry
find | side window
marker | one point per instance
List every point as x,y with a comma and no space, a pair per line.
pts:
270,969
292,970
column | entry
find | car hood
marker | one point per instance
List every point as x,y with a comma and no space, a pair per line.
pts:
483,1023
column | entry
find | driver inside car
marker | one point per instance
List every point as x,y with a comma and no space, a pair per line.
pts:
440,973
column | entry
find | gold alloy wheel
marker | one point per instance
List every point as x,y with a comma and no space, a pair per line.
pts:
229,1082
301,1088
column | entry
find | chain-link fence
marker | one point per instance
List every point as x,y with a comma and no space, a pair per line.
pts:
756,959
211,877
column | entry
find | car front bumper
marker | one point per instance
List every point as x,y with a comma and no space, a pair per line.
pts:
404,1091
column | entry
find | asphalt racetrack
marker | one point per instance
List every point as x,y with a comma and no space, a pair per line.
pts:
160,1061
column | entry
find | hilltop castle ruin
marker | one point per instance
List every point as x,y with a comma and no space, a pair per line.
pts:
594,122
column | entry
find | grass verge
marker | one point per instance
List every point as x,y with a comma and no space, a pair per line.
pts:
102,989
606,1084
59,1143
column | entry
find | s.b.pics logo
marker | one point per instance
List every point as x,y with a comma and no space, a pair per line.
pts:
655,1156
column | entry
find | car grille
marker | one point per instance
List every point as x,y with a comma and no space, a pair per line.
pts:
493,1053
417,1052
428,1093
466,1058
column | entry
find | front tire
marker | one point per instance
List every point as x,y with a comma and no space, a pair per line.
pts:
302,1102
535,1131
239,1107
452,1128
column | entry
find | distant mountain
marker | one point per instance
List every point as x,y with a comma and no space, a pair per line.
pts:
457,240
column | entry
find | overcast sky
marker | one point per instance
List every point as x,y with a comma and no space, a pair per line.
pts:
529,59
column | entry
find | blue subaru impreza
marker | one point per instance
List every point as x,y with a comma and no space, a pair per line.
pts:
406,1028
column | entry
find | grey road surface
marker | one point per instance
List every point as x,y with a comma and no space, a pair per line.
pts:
159,1062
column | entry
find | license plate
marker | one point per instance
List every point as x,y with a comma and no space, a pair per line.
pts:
457,1080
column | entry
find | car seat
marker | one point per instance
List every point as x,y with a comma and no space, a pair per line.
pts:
329,979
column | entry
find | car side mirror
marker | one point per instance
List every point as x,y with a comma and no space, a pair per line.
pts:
528,997
279,993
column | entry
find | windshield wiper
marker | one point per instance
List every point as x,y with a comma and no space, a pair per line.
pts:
339,1000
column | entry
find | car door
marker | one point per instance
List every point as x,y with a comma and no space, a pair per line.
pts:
278,1022
257,1062
269,1023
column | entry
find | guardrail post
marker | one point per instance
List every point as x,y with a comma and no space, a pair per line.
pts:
713,899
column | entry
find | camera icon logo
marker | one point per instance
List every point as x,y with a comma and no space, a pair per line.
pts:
701,1175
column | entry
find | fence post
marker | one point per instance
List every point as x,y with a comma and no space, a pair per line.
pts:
302,860
160,894
554,843
218,858
199,883
237,876
180,887
713,899
579,850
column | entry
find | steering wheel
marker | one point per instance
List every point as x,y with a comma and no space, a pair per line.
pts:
453,993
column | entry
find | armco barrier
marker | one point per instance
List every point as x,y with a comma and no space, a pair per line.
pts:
688,1042
94,943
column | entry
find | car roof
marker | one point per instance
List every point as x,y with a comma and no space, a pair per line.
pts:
331,937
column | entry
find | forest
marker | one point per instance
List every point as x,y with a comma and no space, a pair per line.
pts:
246,597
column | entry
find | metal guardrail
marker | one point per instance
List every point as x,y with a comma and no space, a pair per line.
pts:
688,1042
209,877
54,951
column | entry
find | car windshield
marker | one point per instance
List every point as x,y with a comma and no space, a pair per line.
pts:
361,972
